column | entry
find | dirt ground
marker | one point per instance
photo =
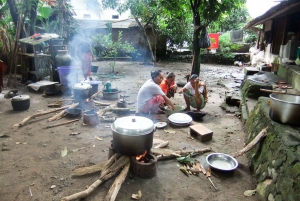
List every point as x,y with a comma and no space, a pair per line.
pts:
31,155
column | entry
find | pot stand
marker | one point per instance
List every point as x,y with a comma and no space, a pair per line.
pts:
146,170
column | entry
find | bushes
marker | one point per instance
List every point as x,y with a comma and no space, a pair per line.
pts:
224,54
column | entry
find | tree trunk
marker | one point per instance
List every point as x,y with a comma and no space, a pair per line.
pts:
33,12
153,57
15,16
196,48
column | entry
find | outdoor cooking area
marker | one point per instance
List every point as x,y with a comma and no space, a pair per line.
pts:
83,144
149,100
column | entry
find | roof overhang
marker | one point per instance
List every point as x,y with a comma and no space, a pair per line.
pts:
276,11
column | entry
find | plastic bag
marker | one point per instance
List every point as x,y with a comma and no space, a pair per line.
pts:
204,41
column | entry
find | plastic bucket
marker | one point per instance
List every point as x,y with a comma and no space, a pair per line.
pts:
67,75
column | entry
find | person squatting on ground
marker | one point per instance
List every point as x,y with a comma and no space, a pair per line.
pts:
168,85
85,55
195,93
150,96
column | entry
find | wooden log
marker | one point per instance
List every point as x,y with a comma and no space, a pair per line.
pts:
162,145
22,123
174,154
249,146
63,123
105,175
95,94
62,113
101,103
80,171
114,189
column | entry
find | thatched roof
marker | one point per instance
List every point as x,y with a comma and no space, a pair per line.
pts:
276,11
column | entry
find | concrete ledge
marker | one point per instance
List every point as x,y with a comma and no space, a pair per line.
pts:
291,74
275,161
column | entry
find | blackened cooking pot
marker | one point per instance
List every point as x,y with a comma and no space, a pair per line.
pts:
132,135
20,102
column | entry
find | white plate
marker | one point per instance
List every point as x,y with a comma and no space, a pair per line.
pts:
180,118
180,124
160,124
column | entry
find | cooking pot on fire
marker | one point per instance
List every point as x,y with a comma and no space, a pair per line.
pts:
132,135
82,91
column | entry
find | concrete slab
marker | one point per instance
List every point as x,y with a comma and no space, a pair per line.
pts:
250,70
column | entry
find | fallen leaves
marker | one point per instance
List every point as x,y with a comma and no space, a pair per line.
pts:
249,192
98,138
64,152
170,131
137,196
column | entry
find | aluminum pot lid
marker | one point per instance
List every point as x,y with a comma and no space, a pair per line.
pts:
20,97
82,86
133,126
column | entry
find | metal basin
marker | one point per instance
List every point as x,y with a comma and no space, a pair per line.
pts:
285,109
221,162
178,109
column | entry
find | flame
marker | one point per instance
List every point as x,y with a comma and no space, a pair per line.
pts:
141,157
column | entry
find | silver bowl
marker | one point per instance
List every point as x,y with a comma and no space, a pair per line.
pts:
221,162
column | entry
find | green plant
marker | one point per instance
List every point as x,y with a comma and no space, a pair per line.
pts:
104,46
224,53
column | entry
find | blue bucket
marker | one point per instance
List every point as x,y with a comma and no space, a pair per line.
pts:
65,73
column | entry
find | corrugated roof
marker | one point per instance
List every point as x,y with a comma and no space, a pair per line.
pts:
101,24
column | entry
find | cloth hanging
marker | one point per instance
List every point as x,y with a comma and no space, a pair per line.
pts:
236,36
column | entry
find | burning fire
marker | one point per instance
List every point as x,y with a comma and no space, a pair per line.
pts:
142,157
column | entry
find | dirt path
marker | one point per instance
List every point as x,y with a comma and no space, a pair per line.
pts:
35,161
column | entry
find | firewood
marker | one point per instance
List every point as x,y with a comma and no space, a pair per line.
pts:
62,113
166,154
63,123
80,171
162,145
22,123
114,189
95,94
101,103
249,146
110,169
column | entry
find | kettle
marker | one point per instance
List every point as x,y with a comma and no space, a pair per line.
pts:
107,86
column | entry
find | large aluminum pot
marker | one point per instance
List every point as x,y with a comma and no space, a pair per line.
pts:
82,91
285,109
132,135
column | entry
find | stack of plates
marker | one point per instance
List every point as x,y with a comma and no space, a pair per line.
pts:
180,119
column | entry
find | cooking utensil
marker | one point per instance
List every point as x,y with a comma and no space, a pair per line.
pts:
20,102
90,117
178,109
132,135
122,102
285,108
221,162
112,95
180,118
51,91
94,84
82,91
196,115
180,125
74,112
160,125
86,105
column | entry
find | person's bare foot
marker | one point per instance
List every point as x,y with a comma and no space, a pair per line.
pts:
187,109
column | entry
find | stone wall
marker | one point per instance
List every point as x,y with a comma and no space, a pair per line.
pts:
275,161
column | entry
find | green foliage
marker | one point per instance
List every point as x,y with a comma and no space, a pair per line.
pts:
224,53
250,37
104,46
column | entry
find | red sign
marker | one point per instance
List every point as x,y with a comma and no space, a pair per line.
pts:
214,40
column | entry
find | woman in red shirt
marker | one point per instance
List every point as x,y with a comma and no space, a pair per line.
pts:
168,85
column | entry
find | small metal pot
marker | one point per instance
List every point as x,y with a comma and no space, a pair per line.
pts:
285,109
90,118
82,91
113,95
132,135
20,103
